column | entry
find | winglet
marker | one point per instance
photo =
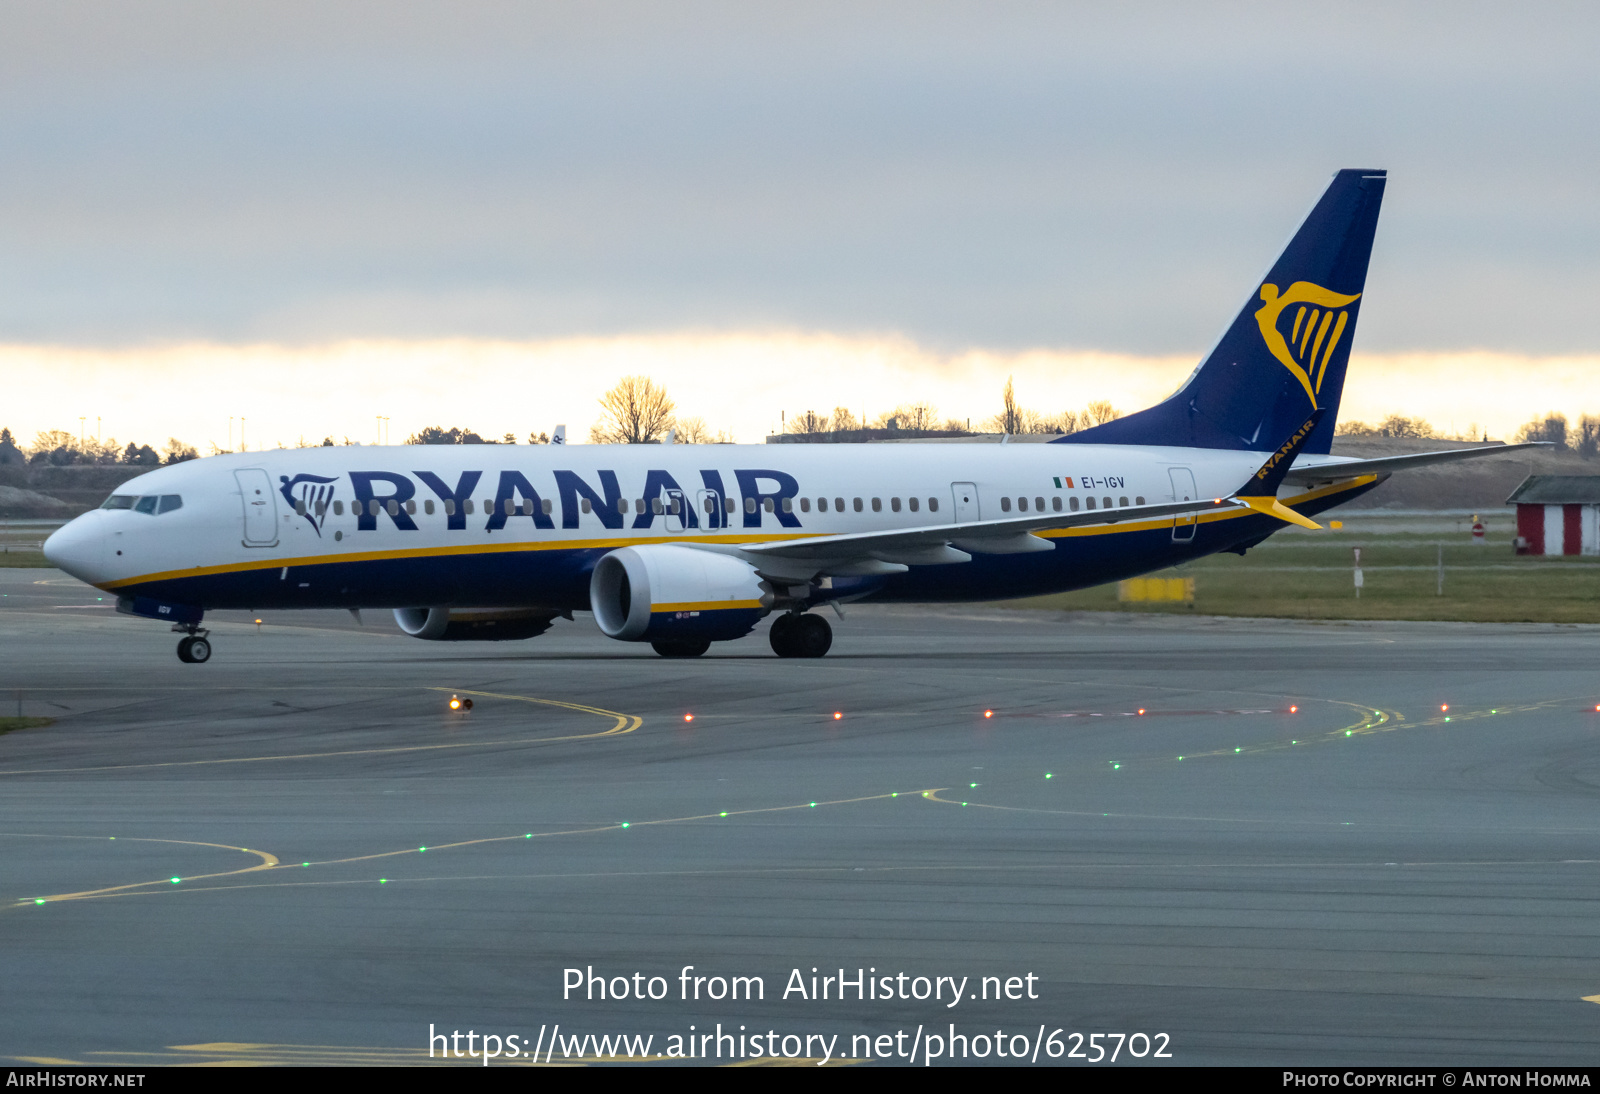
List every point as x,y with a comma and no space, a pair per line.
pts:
1260,491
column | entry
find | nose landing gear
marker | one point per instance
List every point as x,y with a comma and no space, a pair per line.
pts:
195,647
800,635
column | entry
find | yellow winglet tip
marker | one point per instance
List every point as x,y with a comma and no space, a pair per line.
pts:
1272,507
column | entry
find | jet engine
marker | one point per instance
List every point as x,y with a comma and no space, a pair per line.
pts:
668,594
473,624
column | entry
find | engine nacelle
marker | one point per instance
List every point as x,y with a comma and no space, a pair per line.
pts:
662,592
473,624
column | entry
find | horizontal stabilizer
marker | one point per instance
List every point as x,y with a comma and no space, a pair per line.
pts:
1324,470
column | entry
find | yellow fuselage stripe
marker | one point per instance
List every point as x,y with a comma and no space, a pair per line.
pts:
706,606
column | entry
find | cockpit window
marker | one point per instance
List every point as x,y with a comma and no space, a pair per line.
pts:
151,505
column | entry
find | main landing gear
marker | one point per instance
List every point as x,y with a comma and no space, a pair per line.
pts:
195,647
800,635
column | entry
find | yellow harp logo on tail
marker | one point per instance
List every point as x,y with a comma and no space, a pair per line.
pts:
1319,318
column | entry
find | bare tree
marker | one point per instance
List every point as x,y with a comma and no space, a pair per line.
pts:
1553,428
1588,445
636,412
178,452
1100,412
1009,420
695,431
808,422
1396,425
918,416
842,420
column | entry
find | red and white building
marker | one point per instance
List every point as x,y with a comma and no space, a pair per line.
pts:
1558,515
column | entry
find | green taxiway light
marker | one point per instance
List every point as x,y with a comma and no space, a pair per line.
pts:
38,902
1236,750
305,864
383,881
1180,757
972,786
724,814
894,795
176,880
813,805
528,836
624,824
421,849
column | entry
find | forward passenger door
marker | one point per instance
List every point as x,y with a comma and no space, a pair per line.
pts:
260,507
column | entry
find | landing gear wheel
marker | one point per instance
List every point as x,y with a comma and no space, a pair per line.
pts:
782,635
682,647
800,636
813,636
194,650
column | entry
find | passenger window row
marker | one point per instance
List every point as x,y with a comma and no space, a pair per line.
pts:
858,505
1072,504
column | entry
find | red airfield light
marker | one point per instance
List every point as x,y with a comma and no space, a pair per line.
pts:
1141,710
1294,710
837,716
688,717
990,713
1444,706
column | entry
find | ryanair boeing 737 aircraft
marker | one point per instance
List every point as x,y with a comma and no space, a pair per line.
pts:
684,545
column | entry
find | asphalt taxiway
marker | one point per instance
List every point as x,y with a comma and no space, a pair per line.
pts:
1269,841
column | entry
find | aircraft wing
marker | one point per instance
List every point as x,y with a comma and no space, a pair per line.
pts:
1305,474
894,551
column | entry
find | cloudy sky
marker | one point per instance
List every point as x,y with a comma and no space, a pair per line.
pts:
483,214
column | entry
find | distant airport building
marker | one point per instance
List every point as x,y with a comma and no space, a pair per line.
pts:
1558,515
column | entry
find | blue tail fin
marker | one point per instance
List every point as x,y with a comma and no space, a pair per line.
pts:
1285,354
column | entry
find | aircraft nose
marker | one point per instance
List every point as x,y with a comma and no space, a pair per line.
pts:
77,547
